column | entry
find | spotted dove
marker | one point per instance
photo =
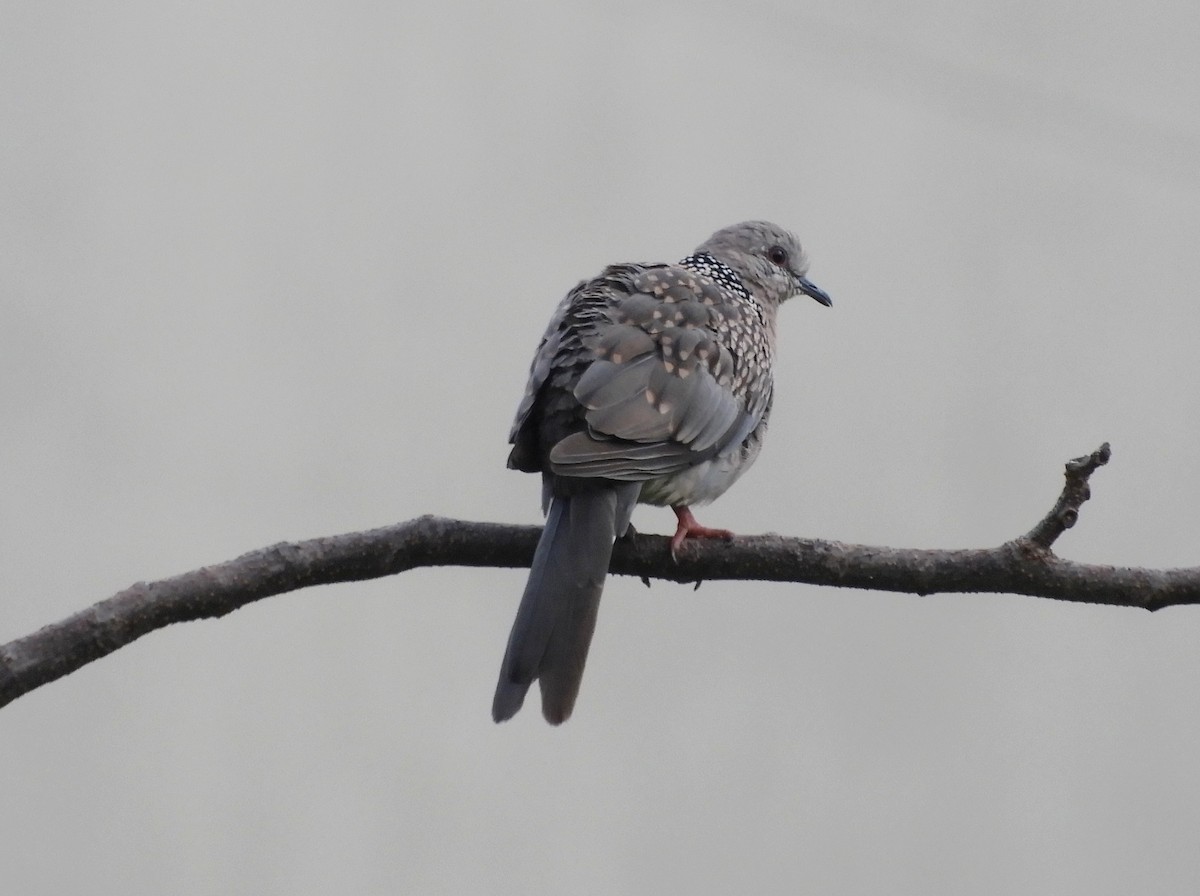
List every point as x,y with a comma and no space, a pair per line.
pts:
652,384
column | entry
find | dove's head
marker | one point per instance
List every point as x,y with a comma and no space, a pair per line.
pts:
769,260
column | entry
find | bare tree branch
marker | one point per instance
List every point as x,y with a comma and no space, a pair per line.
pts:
1025,565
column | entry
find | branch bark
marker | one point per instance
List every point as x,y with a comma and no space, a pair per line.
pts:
1025,565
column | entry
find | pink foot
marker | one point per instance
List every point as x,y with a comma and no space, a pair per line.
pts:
689,528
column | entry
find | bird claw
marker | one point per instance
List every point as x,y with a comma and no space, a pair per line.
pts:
689,528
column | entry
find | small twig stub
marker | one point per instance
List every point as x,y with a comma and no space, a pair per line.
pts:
1065,512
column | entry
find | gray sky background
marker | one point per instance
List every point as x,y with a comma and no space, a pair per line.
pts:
274,271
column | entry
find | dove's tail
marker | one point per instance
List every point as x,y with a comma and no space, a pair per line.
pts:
554,625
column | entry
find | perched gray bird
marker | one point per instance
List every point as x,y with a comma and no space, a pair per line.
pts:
652,384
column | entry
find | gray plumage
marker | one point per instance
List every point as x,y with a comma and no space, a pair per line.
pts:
653,384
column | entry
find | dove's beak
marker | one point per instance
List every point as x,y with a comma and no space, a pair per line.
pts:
809,288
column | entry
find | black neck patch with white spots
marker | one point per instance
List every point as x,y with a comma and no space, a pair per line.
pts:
723,274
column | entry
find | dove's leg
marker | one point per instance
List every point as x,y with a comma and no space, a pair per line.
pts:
689,528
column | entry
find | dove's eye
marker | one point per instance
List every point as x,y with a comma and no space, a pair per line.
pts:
778,255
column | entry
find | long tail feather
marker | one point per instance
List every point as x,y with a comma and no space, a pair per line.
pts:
554,625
